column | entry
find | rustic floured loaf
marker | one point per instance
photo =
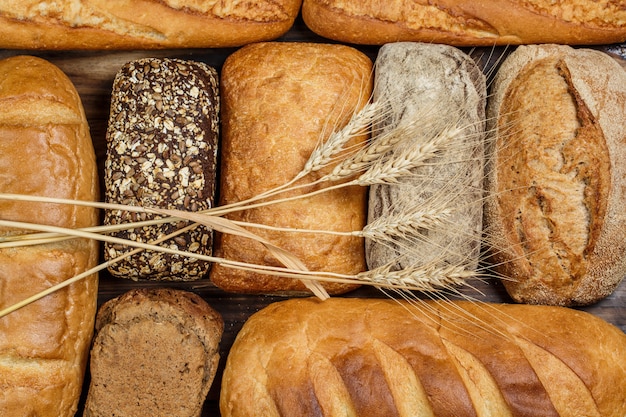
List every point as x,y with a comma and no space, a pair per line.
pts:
155,353
367,357
440,90
45,150
468,22
142,24
162,141
556,177
279,101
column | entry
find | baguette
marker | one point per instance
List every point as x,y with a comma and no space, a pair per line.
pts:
45,150
142,24
367,357
442,88
162,140
467,22
277,98
556,175
155,353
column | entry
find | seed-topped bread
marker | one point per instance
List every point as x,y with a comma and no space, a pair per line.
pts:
162,152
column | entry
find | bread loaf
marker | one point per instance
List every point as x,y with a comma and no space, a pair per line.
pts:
162,143
279,101
367,357
441,87
142,24
467,22
556,178
155,353
45,150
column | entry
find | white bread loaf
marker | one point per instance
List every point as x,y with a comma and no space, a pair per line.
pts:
556,178
367,357
45,150
142,24
155,353
438,87
468,22
279,100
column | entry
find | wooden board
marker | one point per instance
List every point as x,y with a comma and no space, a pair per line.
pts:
93,73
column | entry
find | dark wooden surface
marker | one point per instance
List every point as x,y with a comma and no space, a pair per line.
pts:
93,73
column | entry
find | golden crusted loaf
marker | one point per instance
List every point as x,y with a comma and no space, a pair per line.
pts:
368,357
277,99
556,176
45,149
155,353
468,22
142,24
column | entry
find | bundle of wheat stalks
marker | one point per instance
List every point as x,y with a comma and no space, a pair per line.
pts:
391,156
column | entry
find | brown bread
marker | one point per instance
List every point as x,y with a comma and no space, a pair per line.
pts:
155,353
162,140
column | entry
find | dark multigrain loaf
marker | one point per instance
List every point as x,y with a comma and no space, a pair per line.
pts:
161,152
556,177
155,353
441,87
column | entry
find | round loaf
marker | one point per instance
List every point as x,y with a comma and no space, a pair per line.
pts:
556,177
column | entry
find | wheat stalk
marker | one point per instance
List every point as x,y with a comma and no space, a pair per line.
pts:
85,274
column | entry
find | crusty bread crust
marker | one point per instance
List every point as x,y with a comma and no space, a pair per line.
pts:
556,176
384,357
465,22
443,88
155,353
45,149
276,99
142,24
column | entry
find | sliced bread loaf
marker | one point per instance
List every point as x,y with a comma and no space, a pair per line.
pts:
155,353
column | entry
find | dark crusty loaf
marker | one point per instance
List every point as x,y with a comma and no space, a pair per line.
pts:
439,87
162,143
279,101
155,353
45,150
142,24
367,357
468,22
555,214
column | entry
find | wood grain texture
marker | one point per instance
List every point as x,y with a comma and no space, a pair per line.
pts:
93,74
